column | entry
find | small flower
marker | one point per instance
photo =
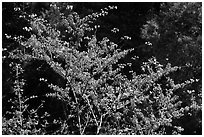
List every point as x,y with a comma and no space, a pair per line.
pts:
127,37
115,30
69,7
17,9
27,29
148,43
8,36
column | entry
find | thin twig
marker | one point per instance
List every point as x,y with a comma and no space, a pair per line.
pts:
91,110
79,119
99,127
101,121
85,125
18,90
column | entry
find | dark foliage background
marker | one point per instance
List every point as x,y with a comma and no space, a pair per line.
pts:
150,68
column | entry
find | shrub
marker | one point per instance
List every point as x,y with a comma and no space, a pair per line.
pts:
78,79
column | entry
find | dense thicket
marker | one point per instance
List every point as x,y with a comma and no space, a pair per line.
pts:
101,68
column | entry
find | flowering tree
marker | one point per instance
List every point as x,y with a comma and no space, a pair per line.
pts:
79,85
